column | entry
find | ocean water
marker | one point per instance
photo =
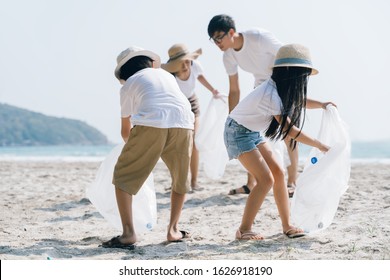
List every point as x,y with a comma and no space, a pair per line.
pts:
54,153
360,152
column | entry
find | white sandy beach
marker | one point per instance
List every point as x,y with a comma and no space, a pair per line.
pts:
44,213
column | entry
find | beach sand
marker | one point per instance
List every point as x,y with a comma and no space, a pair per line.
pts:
44,213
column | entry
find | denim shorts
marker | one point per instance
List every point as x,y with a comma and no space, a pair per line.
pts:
239,139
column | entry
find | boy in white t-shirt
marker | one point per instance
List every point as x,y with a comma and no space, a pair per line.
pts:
187,70
156,122
253,51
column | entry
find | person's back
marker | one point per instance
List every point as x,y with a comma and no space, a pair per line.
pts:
152,98
156,122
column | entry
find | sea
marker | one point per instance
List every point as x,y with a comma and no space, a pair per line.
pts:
377,151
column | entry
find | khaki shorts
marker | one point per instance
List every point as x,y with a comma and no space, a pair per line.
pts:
142,151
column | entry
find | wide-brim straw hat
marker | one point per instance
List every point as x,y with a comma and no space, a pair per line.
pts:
178,53
294,55
131,52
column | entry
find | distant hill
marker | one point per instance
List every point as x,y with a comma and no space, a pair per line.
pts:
20,127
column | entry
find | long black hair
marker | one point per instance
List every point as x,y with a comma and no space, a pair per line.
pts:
291,84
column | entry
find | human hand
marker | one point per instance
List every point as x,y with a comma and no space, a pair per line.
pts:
323,148
215,92
325,104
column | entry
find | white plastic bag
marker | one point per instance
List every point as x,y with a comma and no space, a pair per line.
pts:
209,138
324,178
281,153
102,195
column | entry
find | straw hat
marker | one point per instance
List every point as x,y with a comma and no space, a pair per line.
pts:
178,53
294,55
131,52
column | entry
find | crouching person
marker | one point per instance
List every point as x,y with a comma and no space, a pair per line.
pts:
157,122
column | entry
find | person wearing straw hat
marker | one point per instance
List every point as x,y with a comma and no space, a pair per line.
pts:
187,70
277,107
156,122
254,51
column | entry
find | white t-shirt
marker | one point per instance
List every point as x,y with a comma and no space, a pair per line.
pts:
256,56
152,98
188,86
256,110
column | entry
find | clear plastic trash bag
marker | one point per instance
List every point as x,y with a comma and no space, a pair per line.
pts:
102,195
325,176
281,153
209,141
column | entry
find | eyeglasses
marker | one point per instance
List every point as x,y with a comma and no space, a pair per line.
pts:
218,39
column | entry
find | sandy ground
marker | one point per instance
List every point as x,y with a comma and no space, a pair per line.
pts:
44,213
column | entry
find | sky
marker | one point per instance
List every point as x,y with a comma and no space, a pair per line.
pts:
58,57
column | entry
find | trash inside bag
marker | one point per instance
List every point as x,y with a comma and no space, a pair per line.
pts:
325,176
209,141
102,195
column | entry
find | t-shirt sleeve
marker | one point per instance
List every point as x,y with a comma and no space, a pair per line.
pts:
269,42
270,103
126,105
275,105
230,63
197,68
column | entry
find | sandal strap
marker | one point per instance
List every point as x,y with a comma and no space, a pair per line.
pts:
246,189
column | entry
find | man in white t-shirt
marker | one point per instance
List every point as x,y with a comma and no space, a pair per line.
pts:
156,122
253,51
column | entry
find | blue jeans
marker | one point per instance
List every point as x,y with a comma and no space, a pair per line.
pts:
239,139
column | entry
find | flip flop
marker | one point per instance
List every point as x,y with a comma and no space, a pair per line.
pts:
115,243
294,234
291,190
184,235
249,235
244,187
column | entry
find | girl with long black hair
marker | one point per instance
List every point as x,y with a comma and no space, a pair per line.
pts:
276,107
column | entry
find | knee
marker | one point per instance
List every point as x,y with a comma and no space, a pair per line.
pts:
267,181
278,174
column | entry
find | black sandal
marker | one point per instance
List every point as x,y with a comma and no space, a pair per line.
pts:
115,243
244,187
291,190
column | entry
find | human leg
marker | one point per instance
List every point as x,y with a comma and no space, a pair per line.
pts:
194,166
254,162
177,203
137,159
125,204
279,188
128,237
176,156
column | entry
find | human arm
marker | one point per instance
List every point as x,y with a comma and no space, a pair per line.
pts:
234,92
207,85
314,104
302,137
125,128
